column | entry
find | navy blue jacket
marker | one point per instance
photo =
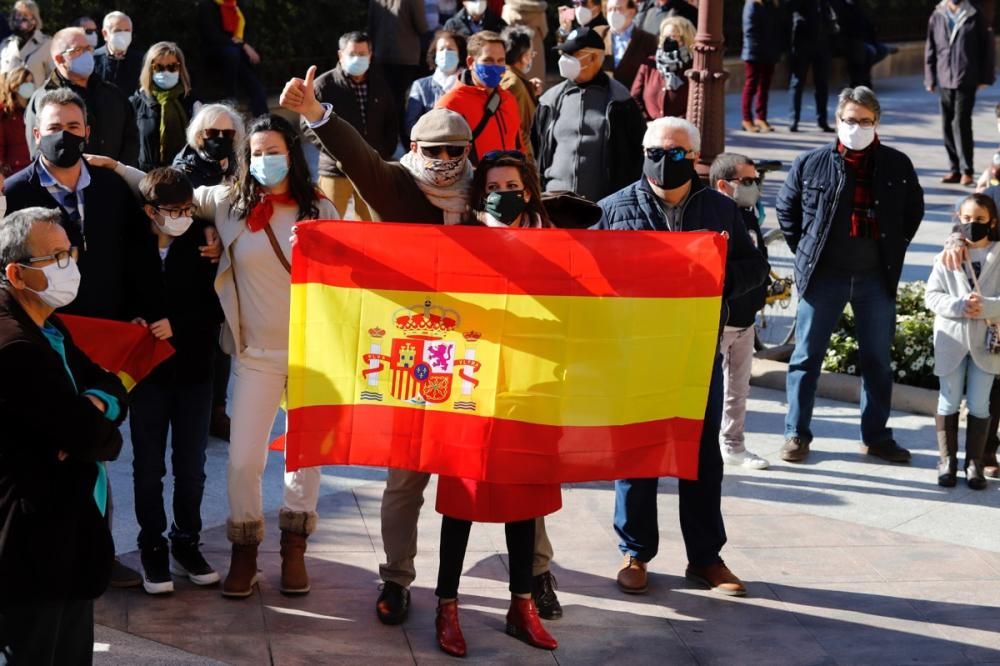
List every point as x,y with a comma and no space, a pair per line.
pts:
636,208
743,309
763,37
814,194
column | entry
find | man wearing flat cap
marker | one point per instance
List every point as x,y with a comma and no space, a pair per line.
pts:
587,133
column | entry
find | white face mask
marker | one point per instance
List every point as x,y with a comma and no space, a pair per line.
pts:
120,41
63,284
3,205
174,227
617,21
569,67
476,7
583,15
91,38
855,137
26,89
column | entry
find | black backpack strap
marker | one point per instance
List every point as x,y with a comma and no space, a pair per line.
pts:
492,105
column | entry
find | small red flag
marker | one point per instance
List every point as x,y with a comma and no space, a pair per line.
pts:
128,350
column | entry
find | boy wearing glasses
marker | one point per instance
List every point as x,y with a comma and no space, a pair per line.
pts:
177,396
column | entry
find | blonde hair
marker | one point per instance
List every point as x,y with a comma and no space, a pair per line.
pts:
207,115
9,83
155,51
683,27
31,7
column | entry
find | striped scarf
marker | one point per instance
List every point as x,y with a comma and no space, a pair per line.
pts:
863,221
232,18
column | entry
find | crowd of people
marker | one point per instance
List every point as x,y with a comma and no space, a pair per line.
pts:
129,198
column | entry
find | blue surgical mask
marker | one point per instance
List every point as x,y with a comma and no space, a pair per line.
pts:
269,170
83,64
490,75
356,65
447,61
26,89
166,80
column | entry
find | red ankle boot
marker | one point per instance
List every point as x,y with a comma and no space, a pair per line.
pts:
523,623
449,632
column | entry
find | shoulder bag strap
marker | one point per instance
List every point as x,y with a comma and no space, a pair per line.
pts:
492,104
277,248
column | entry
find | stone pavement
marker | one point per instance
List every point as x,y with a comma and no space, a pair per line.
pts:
848,560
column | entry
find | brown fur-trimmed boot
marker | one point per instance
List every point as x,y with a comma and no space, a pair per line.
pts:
242,576
296,526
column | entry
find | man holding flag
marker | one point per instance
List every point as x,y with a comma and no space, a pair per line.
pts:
671,197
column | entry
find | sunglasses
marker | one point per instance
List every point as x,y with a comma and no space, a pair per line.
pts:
437,152
213,133
497,154
746,182
172,67
672,154
90,31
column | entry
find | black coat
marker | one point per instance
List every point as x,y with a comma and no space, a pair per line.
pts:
120,265
147,118
815,194
814,26
193,309
110,116
743,309
381,129
54,542
213,38
461,23
123,72
963,61
763,32
636,208
202,172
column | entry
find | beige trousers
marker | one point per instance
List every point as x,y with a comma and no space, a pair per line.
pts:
339,190
259,378
401,502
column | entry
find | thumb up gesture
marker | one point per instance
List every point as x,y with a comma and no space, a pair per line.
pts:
299,96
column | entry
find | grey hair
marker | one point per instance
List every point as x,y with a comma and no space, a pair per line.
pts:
862,96
59,97
670,122
114,16
207,115
14,231
725,166
354,37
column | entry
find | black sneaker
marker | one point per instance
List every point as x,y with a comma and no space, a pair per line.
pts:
888,450
543,591
393,604
123,576
188,561
156,570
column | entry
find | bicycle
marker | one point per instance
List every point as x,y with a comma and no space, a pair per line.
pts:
774,325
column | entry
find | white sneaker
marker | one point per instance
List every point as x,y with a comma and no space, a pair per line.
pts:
744,458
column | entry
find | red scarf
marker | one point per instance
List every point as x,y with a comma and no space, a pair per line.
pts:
231,16
862,162
261,214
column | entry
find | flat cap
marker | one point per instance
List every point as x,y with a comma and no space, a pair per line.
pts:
441,127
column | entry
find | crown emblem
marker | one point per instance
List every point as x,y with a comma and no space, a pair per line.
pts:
472,336
376,332
428,320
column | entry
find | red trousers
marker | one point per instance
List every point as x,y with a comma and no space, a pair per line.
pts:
757,83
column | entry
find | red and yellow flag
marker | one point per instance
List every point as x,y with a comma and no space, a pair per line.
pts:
502,355
127,350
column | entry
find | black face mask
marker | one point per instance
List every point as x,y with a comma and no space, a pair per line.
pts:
666,174
218,148
63,149
975,232
506,206
670,45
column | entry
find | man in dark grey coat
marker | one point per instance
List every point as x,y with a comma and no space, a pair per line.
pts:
959,58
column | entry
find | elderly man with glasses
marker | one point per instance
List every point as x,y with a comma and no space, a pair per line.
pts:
61,414
848,211
669,196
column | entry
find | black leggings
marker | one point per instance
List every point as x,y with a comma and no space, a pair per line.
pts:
455,539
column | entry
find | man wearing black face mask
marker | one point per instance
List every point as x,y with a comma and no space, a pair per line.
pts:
671,197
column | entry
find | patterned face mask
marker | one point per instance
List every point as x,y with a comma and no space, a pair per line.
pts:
444,172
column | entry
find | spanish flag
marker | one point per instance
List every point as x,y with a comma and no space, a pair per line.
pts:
127,350
501,355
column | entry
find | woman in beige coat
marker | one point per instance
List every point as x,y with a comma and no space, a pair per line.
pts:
28,46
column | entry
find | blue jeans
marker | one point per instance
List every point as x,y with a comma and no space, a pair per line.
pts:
974,382
186,411
819,310
700,501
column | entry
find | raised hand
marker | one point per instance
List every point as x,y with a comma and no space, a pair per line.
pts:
299,96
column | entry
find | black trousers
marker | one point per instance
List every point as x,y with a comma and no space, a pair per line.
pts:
48,633
238,74
455,539
956,118
799,65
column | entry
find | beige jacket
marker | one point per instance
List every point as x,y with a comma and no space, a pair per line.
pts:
35,55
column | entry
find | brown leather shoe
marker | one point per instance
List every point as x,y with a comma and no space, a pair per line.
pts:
632,578
795,449
967,180
952,177
718,578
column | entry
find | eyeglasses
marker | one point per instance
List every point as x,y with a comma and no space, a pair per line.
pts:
61,258
172,67
851,122
438,152
174,213
77,51
213,133
675,154
746,182
497,154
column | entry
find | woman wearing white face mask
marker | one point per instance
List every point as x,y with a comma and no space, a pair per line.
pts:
255,215
445,56
474,16
17,88
164,104
578,14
